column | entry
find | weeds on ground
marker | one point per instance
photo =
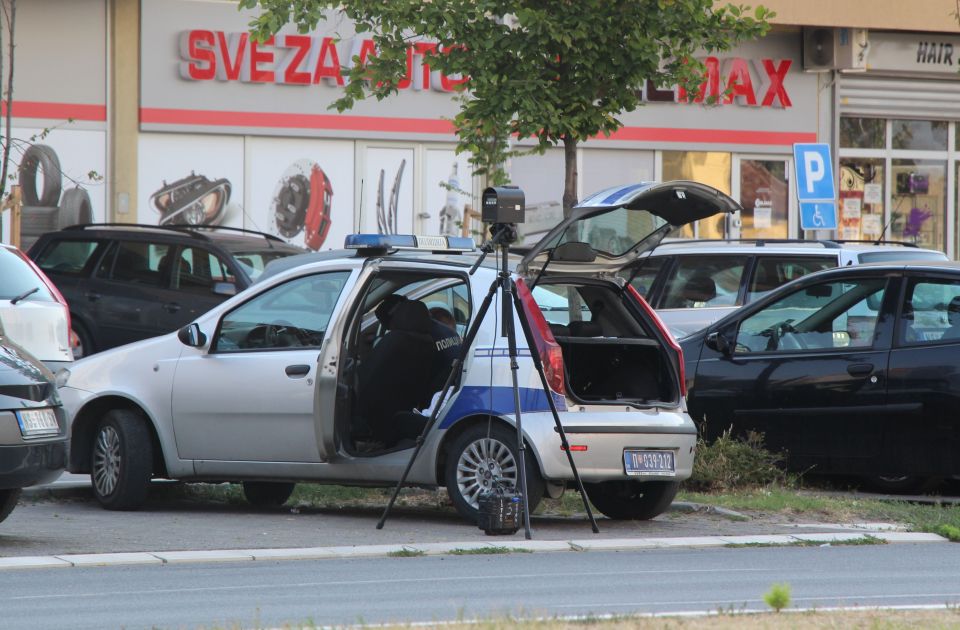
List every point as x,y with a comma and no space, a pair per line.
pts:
778,597
730,463
485,551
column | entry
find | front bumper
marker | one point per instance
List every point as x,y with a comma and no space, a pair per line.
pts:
31,464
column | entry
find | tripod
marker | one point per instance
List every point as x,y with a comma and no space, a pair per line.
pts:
501,235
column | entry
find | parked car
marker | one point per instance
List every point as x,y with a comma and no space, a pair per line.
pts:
295,380
692,283
33,313
33,426
129,282
851,371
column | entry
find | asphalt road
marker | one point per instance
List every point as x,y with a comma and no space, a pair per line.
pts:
437,588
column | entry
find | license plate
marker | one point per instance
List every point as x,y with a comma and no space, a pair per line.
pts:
649,462
37,422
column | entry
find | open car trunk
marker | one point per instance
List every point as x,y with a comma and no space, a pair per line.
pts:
612,352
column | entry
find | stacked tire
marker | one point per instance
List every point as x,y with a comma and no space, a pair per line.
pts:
44,208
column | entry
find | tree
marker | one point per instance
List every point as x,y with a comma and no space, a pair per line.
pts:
9,11
559,71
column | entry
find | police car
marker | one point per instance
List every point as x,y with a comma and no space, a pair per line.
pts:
325,370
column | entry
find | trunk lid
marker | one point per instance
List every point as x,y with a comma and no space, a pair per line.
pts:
620,224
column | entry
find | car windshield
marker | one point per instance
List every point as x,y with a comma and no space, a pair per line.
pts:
253,261
17,278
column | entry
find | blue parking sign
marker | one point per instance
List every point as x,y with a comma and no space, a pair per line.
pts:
818,215
814,170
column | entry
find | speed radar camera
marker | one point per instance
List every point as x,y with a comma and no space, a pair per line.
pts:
503,204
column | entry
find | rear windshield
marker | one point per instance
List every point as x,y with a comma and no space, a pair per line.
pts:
67,256
906,254
18,278
253,261
613,232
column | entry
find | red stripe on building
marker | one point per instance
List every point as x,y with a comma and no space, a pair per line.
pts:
293,121
57,111
343,122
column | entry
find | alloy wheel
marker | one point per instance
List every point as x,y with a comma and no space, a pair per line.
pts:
106,461
481,463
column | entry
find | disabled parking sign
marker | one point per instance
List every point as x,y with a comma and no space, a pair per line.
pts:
816,189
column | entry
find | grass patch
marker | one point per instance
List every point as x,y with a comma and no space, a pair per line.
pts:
487,551
407,553
729,463
862,540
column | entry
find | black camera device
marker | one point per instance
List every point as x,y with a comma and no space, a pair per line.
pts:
501,510
503,204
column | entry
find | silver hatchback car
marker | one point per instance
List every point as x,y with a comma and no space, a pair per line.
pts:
324,372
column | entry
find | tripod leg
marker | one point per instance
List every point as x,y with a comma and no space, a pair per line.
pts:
451,377
518,306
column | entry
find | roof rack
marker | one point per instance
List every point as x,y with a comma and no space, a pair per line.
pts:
760,242
182,229
867,241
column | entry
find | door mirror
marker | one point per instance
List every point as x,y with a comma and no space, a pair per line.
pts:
224,288
716,341
191,335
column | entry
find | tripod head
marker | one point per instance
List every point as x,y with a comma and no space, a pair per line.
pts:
501,235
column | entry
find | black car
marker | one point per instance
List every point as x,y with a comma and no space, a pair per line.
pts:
33,435
852,371
127,282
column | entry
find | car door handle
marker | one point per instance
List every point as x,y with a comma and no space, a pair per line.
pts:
93,296
171,307
860,369
296,371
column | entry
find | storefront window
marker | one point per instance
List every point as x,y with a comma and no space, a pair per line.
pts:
861,198
764,195
863,133
925,135
918,204
712,169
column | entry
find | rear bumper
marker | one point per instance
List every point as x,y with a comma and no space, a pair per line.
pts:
31,464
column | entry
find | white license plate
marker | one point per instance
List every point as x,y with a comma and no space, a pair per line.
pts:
37,422
649,462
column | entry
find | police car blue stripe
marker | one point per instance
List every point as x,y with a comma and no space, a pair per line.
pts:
497,401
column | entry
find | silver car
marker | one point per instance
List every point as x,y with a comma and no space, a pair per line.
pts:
320,373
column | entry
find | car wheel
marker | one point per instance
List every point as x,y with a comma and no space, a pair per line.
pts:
267,493
897,484
121,460
475,458
84,347
8,501
632,500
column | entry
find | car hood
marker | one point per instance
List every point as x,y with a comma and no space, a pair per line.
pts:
620,224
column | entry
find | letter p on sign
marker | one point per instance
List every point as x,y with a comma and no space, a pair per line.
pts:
814,171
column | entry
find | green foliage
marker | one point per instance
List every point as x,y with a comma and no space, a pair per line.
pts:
730,463
778,597
557,71
950,532
487,551
407,553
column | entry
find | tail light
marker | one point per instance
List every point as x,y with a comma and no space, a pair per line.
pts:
53,291
666,335
547,347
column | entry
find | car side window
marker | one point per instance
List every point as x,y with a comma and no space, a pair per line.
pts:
291,315
644,279
703,281
931,312
771,272
561,306
136,262
838,314
197,269
68,257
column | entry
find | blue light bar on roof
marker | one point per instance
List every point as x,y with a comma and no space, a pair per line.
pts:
410,241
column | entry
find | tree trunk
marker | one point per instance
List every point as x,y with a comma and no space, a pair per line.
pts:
11,16
570,174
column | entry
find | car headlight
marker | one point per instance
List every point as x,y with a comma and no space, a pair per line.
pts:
61,377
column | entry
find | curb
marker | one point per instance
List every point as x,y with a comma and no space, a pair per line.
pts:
434,549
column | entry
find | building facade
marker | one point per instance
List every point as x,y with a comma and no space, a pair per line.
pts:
165,111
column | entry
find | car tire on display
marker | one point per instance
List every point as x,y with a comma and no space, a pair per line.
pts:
75,208
632,500
267,493
37,158
85,346
121,461
473,458
8,501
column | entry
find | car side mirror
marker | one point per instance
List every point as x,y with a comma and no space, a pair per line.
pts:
716,341
224,288
191,335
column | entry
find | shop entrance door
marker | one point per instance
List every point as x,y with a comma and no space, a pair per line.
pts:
763,186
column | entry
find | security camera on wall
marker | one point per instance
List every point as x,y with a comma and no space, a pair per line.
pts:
843,49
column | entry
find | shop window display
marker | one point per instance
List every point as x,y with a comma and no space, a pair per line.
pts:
711,168
764,195
918,202
860,206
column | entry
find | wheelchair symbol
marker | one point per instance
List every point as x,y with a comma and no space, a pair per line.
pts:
817,219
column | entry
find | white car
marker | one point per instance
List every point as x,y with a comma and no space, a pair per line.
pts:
313,374
32,312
